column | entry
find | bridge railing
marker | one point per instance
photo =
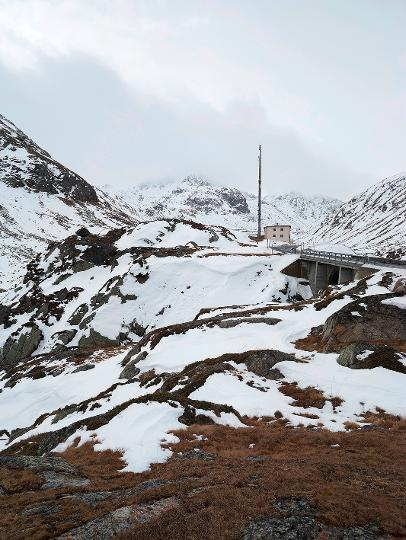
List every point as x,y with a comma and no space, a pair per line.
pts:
348,258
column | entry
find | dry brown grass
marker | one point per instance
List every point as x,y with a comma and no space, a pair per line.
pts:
16,481
384,420
308,397
360,481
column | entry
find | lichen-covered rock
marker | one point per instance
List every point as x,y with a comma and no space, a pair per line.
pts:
21,346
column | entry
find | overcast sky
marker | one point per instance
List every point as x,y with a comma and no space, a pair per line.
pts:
131,91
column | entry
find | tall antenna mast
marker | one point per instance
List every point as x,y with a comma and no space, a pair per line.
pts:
259,190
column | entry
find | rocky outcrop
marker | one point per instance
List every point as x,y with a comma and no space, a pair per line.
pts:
366,320
20,347
366,356
95,340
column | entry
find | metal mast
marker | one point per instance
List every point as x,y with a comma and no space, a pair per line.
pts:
259,191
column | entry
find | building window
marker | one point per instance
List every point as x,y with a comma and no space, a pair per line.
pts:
281,235
281,228
274,229
274,235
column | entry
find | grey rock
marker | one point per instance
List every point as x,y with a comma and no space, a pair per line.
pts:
17,348
348,355
92,499
196,453
290,528
230,323
386,357
82,266
54,479
38,463
78,314
376,323
41,509
262,363
130,370
120,520
94,340
84,367
64,337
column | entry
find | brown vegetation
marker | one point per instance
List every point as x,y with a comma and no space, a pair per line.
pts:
308,397
353,478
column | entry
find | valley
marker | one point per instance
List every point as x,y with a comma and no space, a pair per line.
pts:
162,376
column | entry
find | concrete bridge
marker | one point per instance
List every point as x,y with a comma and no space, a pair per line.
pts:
324,268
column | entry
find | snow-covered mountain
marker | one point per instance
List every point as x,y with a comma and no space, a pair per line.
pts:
41,200
373,220
198,199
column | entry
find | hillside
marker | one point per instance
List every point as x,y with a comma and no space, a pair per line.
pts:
41,200
374,220
168,380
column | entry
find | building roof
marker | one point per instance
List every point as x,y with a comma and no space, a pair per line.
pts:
277,225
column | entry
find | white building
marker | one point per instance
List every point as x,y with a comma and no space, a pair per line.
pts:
277,233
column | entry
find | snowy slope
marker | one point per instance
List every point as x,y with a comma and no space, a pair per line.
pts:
102,290
40,199
179,373
195,198
373,220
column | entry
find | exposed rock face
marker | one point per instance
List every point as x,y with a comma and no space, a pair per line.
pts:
365,356
34,168
130,370
365,320
16,349
95,340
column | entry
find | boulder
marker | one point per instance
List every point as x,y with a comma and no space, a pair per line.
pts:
367,319
262,363
230,323
366,356
130,371
17,348
84,367
64,337
95,340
